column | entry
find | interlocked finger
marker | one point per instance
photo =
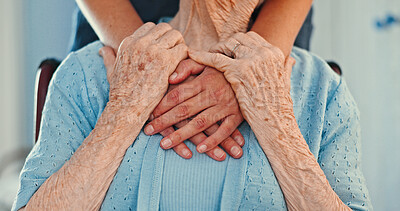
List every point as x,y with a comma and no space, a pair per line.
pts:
201,122
182,111
229,144
223,132
217,153
176,96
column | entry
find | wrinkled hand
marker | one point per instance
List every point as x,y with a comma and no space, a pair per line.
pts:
145,60
257,72
210,97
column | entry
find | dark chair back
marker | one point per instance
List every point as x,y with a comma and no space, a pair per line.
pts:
43,77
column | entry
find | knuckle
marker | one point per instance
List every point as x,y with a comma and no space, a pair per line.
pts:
153,48
239,35
148,24
200,122
157,123
210,76
251,33
183,110
176,138
173,96
177,34
164,25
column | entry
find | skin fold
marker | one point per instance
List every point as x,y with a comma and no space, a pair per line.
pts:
260,77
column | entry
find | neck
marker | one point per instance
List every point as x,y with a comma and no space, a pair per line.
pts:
203,23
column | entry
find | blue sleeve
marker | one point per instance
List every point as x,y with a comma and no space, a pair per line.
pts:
340,152
66,121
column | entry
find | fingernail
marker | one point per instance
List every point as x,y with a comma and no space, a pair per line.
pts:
149,129
173,76
151,117
235,151
166,143
186,152
219,153
239,140
202,148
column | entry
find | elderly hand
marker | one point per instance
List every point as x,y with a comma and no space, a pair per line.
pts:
144,62
210,97
260,77
257,72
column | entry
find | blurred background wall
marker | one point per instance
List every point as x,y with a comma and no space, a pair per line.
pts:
344,31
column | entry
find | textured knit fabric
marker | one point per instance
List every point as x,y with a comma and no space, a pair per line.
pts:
150,178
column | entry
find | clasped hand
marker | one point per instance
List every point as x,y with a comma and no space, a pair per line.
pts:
196,105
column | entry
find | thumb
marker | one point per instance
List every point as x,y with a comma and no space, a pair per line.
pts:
216,60
185,68
108,58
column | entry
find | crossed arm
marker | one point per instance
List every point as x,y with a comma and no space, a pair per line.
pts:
145,61
267,108
278,22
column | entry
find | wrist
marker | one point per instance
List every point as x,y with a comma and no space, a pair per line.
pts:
121,113
273,127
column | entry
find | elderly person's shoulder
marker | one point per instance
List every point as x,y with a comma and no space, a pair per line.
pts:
313,71
86,59
321,100
84,78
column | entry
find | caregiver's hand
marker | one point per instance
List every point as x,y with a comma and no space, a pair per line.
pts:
257,72
144,62
210,97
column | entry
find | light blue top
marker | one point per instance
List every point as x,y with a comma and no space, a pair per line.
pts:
150,178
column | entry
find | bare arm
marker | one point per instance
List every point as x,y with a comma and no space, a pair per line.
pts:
260,77
111,20
279,22
82,182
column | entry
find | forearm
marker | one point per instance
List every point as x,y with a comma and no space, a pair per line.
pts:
82,182
279,22
302,181
111,20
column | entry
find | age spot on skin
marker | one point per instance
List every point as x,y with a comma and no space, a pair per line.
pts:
141,67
